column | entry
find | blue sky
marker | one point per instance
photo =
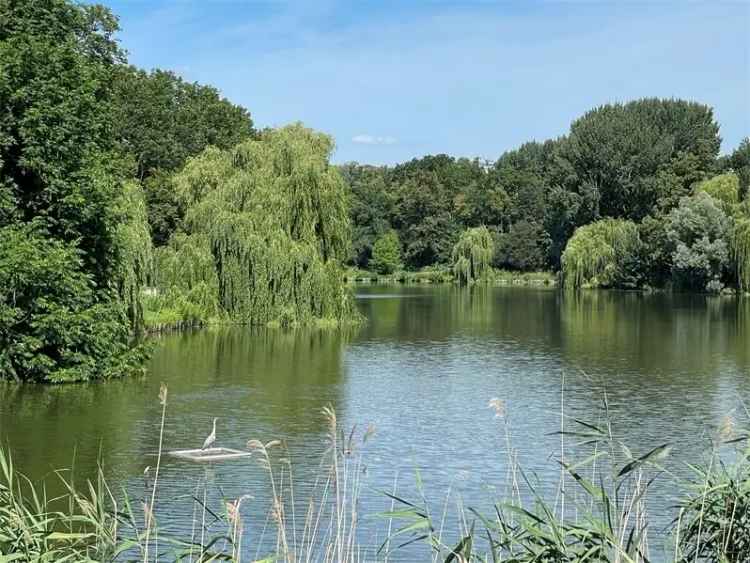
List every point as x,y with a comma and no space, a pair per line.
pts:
397,80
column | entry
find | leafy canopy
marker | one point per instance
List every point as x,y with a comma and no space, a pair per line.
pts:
273,215
699,233
472,256
70,264
605,253
386,254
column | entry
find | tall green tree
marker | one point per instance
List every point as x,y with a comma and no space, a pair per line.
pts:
472,256
160,121
370,208
273,214
699,232
615,152
56,146
426,210
740,163
524,247
386,254
65,282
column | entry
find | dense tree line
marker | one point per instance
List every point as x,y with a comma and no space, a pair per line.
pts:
161,121
114,180
87,146
636,167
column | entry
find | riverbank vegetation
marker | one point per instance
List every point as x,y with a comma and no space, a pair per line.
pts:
133,201
599,510
649,167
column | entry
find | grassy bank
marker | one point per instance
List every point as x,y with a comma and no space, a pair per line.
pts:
599,512
439,275
166,312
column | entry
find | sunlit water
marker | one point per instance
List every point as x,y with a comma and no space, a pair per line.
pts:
421,372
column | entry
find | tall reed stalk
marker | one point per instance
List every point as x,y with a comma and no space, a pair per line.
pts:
600,513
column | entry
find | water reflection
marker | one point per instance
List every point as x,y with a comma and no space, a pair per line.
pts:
422,370
260,383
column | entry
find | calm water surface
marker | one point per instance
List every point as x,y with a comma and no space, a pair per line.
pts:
421,371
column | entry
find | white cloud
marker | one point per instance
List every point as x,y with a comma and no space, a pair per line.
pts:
373,140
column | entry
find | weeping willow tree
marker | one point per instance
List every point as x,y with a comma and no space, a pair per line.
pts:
602,254
472,255
133,241
267,230
724,188
186,284
741,251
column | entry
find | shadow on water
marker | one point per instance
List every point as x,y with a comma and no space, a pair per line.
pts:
267,384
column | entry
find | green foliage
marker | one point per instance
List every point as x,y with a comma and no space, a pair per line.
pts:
161,120
386,254
370,208
626,161
186,287
724,188
164,211
57,60
699,234
427,203
524,247
657,250
274,215
603,254
68,289
714,521
134,250
741,251
472,256
617,151
739,161
54,325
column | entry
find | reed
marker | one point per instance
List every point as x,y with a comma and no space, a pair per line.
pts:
599,513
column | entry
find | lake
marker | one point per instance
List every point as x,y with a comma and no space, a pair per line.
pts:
421,372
